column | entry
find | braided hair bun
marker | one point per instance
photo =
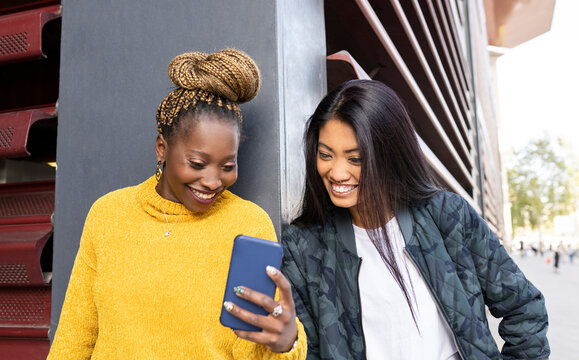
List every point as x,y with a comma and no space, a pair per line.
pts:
219,81
228,73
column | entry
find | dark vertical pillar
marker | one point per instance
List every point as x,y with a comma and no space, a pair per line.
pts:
476,113
114,58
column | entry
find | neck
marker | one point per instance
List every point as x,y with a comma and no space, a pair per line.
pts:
355,216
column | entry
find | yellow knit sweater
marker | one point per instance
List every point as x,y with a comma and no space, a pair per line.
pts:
136,294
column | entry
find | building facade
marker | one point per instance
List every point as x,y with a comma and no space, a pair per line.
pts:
80,82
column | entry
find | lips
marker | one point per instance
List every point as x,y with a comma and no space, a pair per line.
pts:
204,197
342,190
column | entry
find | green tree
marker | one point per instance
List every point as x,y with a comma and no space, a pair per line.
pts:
541,184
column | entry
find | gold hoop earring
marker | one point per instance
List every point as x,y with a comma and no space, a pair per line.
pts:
158,171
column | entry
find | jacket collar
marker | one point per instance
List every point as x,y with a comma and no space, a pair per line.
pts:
343,228
405,222
412,241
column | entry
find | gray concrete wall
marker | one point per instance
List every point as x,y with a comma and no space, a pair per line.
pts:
114,58
302,83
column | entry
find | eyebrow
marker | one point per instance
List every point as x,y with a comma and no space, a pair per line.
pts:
332,150
204,154
197,152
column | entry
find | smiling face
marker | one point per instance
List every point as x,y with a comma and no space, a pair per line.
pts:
200,162
339,164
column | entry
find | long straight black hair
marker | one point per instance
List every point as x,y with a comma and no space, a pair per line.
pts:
395,173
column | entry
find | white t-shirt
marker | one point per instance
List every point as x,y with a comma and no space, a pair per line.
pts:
389,329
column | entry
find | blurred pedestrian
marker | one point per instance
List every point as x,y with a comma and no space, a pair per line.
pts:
557,257
571,253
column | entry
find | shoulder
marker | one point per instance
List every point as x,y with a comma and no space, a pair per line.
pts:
243,216
444,201
106,213
299,232
233,203
115,200
445,211
308,238
451,213
443,206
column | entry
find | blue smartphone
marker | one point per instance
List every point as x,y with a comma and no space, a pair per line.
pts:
249,258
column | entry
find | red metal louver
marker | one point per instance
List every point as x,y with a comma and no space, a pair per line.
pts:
25,227
21,34
14,128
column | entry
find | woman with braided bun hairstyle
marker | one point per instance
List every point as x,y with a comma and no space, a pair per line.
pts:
150,273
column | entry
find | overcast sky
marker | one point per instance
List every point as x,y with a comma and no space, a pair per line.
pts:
539,83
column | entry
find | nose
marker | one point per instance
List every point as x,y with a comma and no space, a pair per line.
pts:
339,172
211,179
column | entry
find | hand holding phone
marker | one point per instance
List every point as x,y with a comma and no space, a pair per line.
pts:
252,312
247,268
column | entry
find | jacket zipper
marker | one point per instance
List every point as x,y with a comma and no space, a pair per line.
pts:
436,302
360,302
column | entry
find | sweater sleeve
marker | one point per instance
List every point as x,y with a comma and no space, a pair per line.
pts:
77,329
507,292
247,350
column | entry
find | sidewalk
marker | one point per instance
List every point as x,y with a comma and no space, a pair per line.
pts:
561,291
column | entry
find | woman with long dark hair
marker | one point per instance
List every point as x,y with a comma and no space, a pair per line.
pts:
384,263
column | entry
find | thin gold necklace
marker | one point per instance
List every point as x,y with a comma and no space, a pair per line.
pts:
169,228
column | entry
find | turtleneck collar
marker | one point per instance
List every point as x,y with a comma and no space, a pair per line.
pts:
154,204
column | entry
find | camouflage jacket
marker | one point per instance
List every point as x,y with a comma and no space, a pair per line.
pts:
459,257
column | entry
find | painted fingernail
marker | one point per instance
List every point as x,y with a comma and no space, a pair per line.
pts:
271,270
239,290
228,305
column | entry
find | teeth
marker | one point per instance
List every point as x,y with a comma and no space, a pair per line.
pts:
343,188
203,196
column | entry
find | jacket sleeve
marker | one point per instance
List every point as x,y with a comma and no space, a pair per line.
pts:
293,268
78,325
507,292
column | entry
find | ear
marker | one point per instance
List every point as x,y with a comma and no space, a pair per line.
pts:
161,147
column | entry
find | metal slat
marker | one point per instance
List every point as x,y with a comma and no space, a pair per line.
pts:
445,175
26,202
15,347
383,37
22,348
345,56
24,312
465,121
423,62
13,6
20,250
25,227
25,292
450,43
14,128
457,43
465,100
21,34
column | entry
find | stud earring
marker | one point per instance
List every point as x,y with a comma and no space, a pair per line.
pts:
158,171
